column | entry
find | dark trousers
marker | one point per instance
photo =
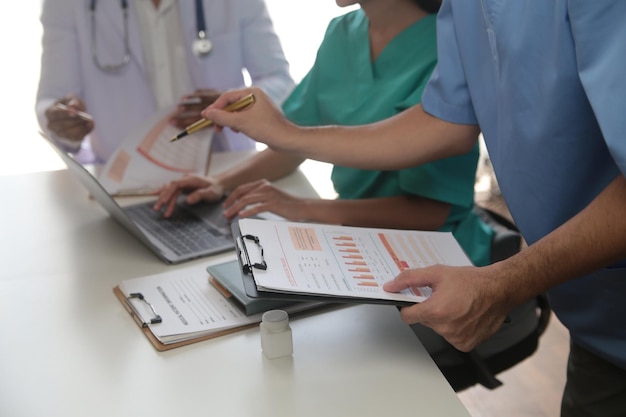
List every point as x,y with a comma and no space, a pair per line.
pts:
595,387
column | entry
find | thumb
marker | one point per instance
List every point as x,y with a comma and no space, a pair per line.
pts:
73,101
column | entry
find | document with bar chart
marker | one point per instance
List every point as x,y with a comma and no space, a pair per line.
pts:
339,261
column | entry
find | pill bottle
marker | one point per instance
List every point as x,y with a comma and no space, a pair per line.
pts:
276,340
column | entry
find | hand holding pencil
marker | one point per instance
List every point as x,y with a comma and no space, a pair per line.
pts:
204,123
263,122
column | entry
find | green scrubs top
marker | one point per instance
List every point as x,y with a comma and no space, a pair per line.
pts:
345,88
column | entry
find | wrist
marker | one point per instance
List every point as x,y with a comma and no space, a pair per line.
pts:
516,280
217,187
70,145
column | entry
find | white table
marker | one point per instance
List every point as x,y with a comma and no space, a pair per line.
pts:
68,347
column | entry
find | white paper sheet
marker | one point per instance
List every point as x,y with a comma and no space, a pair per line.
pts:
147,159
344,261
187,303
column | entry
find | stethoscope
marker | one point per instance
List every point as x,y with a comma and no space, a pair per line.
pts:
201,46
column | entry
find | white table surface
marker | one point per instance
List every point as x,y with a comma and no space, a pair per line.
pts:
68,347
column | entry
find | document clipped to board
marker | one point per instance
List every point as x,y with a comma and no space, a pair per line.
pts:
179,307
305,261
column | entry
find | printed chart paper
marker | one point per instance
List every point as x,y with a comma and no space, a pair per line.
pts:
344,261
147,159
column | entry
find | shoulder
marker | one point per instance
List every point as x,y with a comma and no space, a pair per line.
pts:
347,23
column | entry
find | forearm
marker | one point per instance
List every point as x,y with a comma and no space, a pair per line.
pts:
401,212
267,164
591,240
408,139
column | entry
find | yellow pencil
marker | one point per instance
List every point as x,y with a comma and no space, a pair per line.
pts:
204,123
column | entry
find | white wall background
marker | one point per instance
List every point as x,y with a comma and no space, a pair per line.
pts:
299,23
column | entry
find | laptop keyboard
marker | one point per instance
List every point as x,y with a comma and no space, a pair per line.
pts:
183,232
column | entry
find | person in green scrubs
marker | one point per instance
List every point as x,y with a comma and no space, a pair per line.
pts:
372,64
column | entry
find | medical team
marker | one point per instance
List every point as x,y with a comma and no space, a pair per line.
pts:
542,82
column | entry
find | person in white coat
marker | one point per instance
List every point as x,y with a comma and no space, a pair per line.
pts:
121,61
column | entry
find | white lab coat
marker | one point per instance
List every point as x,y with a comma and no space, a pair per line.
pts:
241,32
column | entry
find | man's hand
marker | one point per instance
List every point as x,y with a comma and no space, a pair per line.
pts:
67,119
467,305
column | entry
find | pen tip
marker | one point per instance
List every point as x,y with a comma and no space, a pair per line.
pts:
179,136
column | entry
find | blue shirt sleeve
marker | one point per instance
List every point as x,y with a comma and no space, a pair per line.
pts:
446,95
599,33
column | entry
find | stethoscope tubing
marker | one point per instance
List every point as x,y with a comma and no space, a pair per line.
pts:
201,47
94,44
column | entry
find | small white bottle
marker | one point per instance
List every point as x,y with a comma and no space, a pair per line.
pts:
276,340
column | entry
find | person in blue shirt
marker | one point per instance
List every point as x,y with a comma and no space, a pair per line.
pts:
372,63
544,83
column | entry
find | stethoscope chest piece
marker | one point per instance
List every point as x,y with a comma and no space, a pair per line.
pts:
201,46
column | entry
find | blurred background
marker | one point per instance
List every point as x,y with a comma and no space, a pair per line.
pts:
23,150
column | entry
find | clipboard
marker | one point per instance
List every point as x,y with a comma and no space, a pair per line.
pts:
158,345
226,277
251,257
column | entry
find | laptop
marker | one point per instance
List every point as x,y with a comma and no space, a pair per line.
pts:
192,231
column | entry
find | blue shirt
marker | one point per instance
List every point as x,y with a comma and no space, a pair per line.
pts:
545,82
345,87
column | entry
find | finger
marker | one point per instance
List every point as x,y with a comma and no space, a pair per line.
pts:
409,278
413,314
173,189
230,97
210,194
163,197
239,192
166,203
221,119
191,182
254,209
168,192
171,205
74,102
238,206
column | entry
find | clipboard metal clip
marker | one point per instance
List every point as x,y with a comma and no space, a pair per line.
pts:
156,317
248,265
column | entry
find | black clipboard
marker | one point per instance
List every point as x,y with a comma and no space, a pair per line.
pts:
251,260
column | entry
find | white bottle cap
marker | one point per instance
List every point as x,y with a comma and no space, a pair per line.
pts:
275,320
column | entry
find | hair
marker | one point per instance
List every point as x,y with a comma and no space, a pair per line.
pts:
429,6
